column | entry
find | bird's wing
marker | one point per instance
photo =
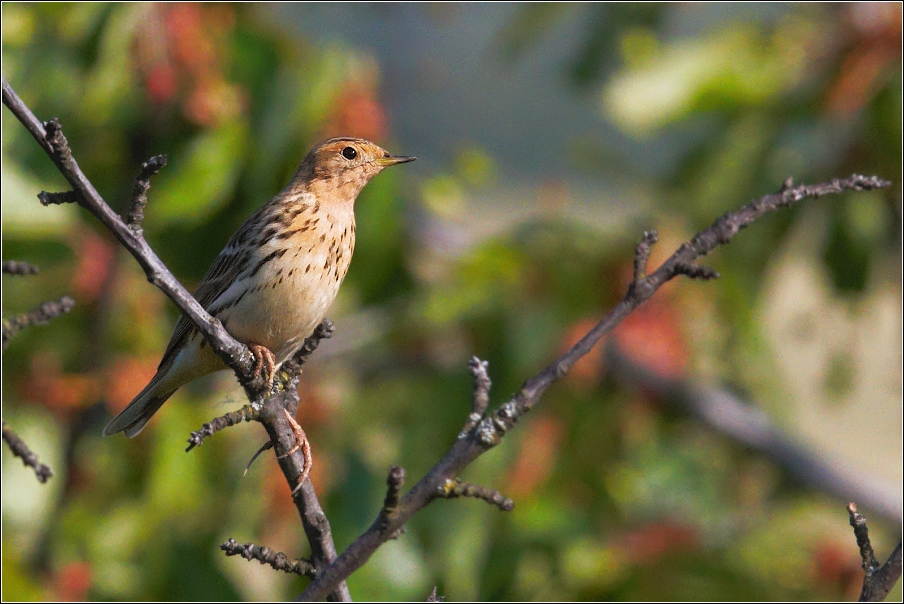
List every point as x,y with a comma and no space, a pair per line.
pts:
226,269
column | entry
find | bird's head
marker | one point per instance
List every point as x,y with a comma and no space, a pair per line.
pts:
342,166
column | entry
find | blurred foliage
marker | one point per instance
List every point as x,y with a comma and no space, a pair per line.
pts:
617,495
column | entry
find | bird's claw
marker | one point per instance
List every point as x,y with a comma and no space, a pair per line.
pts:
301,443
264,364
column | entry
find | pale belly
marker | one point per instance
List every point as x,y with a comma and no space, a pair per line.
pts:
288,298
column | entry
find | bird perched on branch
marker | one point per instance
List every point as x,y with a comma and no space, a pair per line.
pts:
273,282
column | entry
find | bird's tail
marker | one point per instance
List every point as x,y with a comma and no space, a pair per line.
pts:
133,418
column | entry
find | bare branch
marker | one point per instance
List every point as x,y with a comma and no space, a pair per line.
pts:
642,253
39,316
696,271
456,488
140,190
21,450
265,555
50,136
57,199
245,414
13,267
394,483
481,399
879,579
234,354
490,431
435,598
287,378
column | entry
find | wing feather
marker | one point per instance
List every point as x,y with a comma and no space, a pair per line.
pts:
226,270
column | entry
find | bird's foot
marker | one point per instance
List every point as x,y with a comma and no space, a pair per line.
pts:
264,364
302,443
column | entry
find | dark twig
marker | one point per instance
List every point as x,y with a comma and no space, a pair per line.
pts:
490,431
140,190
264,447
879,579
13,267
642,253
39,316
456,488
394,483
245,414
21,450
870,563
57,199
265,555
696,271
481,399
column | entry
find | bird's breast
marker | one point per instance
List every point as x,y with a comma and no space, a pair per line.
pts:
297,277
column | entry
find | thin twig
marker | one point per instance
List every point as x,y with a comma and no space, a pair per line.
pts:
490,431
264,447
265,555
140,190
456,488
57,199
245,414
642,253
21,450
38,316
879,580
394,483
14,267
481,398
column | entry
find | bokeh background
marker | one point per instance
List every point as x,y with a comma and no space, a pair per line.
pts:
549,138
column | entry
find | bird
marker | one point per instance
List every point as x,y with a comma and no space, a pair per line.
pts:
277,275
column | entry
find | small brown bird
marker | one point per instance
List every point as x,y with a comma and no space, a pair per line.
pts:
273,282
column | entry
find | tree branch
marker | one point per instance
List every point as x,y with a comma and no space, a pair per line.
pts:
743,422
265,555
140,190
879,580
234,354
21,450
50,136
39,316
490,431
13,267
456,488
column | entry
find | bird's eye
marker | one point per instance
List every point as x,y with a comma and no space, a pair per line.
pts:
349,153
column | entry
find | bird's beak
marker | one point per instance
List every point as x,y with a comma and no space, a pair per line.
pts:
391,160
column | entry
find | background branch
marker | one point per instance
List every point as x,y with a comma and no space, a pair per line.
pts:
725,412
38,316
14,267
21,450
